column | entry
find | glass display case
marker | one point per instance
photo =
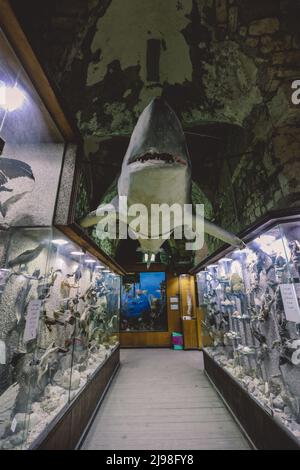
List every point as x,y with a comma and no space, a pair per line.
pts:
59,321
59,306
252,318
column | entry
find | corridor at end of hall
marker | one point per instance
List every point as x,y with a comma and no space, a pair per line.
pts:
161,399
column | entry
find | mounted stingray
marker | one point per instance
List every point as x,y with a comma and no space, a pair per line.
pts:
156,170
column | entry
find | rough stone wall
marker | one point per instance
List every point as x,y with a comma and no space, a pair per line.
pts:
219,61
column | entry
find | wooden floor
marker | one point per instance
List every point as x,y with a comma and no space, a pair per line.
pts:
161,400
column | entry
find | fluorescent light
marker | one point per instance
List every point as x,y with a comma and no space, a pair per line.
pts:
106,271
76,253
225,260
90,261
59,242
11,98
266,240
212,266
99,266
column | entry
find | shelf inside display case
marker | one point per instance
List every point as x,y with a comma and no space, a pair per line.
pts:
251,299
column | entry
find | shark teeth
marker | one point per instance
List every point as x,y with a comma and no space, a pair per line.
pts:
162,157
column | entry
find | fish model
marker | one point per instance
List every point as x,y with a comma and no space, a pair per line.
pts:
156,170
7,404
27,256
10,170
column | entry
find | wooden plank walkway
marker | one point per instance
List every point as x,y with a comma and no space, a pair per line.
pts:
161,400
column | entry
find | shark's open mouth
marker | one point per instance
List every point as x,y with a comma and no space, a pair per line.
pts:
159,157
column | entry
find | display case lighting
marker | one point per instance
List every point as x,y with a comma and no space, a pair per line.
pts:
11,98
59,242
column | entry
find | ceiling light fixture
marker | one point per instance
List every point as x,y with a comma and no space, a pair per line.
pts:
59,242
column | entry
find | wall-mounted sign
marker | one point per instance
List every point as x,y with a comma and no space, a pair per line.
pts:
290,302
2,352
32,320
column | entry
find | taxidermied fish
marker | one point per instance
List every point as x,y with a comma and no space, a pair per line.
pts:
77,275
27,256
4,206
11,169
20,304
84,318
232,335
156,170
245,350
258,336
113,323
7,403
36,274
45,362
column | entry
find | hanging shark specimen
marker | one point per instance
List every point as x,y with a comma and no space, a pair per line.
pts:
156,170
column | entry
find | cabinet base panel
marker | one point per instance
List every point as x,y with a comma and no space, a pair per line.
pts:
70,427
264,431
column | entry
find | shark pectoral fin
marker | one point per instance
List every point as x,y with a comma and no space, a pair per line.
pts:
94,217
224,235
218,232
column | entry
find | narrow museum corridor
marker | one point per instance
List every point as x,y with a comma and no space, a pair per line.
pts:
160,399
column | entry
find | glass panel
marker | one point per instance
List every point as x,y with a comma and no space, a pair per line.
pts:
31,148
23,272
77,329
59,321
59,307
253,319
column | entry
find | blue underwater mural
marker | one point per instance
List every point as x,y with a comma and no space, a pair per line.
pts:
144,306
